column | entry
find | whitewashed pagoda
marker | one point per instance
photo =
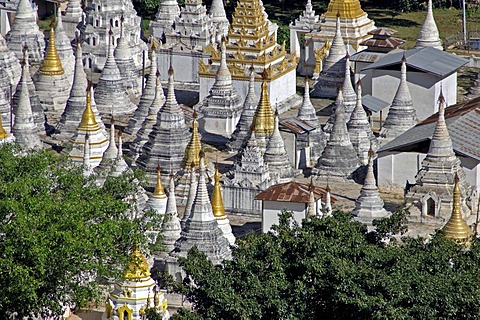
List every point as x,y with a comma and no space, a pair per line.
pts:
354,25
157,200
105,15
220,23
109,155
5,112
168,139
11,69
218,209
51,81
252,40
132,294
431,195
25,31
167,12
111,94
64,47
191,26
73,18
222,108
429,35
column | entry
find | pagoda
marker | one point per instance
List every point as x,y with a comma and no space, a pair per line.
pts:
110,154
73,17
252,40
120,166
98,142
264,120
25,32
132,295
218,209
157,201
87,166
64,48
168,12
53,87
5,112
431,195
222,108
11,69
24,129
105,15
354,25
428,35
111,94
220,24
168,139
5,137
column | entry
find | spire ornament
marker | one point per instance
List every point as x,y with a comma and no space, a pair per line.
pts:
52,66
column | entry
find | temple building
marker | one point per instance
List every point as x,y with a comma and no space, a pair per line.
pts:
25,31
429,35
72,18
431,194
218,209
168,139
200,230
111,94
168,11
222,108
98,141
252,40
133,295
11,69
354,26
105,15
64,48
52,84
249,177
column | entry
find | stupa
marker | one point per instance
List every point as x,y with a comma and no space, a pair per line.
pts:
222,108
120,166
110,94
218,209
349,95
73,17
219,20
37,109
157,201
192,190
431,195
401,115
5,137
144,132
98,142
87,166
276,157
369,205
24,129
339,158
249,177
53,87
428,35
164,20
264,120
252,40
5,113
10,68
72,115
64,48
168,139
200,230
333,71
239,137
103,16
24,31
124,59
132,295
327,128
354,26
110,154
359,129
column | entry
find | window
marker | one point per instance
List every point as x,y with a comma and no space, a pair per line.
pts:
430,207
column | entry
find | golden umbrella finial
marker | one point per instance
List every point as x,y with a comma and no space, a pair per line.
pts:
88,117
264,121
217,199
456,228
192,151
159,191
52,66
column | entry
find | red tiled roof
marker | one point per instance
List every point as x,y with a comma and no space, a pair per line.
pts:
292,192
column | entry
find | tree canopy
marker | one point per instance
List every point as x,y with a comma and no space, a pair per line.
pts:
332,268
59,233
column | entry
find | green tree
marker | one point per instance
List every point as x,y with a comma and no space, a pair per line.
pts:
333,268
59,233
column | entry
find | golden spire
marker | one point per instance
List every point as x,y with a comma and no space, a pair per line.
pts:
137,266
52,66
456,228
217,199
159,191
347,9
88,118
3,133
192,151
263,121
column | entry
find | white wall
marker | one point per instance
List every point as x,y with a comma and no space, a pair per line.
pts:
271,210
185,66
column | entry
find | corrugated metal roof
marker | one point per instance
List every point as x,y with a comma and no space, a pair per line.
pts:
383,32
374,104
366,56
463,123
292,192
430,60
295,125
390,42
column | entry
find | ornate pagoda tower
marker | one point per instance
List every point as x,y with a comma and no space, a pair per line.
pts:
252,40
354,25
429,35
219,209
10,67
167,12
73,17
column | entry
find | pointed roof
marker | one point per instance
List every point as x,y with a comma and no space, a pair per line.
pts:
111,153
119,165
171,104
192,191
63,44
276,156
88,122
217,199
159,192
217,12
307,111
192,151
263,121
137,267
52,66
428,35
349,95
456,228
337,50
223,77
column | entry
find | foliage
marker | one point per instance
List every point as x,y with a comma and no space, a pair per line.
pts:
332,268
59,233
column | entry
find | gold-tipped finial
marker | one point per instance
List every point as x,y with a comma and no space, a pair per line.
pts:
159,191
192,151
52,66
217,199
3,133
137,266
263,120
456,228
88,117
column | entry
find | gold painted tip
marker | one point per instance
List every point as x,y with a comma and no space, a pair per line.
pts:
217,200
3,133
159,191
88,121
137,266
52,65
